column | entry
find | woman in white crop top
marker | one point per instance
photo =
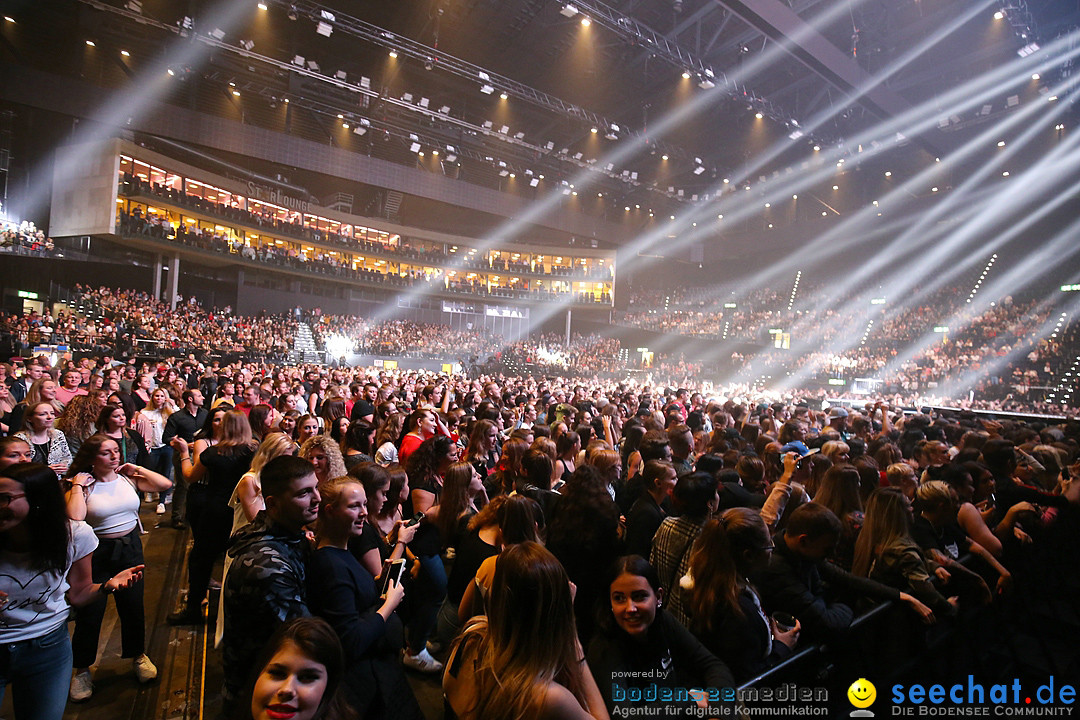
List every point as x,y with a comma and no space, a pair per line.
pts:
105,494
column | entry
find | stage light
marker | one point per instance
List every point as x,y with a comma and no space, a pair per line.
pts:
262,6
719,217
933,189
817,148
768,205
888,173
1005,174
125,53
503,96
758,115
569,10
1001,143
586,22
90,43
345,125
999,15
487,89
393,53
1035,76
835,187
434,153
823,213
171,72
8,18
593,131
794,197
686,75
236,93
325,29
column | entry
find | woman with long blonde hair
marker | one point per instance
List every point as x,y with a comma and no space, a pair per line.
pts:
524,659
886,552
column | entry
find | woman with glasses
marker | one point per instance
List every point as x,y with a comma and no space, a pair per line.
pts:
725,610
48,559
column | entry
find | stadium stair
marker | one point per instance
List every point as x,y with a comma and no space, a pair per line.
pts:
304,348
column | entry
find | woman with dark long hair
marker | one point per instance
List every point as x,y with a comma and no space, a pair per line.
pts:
584,534
114,422
638,643
298,675
48,560
105,493
212,478
725,609
523,660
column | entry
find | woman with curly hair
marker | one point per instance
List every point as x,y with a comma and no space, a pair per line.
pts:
325,455
77,420
584,534
427,467
524,659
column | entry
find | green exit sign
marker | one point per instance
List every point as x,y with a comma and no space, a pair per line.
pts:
1070,288
941,328
28,295
836,381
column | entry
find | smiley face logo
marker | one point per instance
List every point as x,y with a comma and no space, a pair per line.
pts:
862,693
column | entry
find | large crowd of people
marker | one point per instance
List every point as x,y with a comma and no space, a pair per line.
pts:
1009,355
575,536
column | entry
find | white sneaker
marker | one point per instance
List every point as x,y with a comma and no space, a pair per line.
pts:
422,662
148,497
82,687
145,670
160,509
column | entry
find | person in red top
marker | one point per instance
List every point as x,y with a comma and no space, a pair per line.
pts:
252,398
422,426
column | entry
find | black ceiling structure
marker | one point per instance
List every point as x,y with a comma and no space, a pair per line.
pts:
647,108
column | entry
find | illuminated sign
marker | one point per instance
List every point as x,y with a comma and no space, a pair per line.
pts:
836,381
941,328
26,294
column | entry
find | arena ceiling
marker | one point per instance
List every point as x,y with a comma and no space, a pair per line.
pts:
659,98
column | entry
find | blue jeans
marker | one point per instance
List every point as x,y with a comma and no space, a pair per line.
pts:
39,671
427,593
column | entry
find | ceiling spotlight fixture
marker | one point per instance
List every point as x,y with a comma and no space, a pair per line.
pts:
487,89
569,10
758,115
90,43
262,6
1001,143
664,156
594,131
503,96
586,22
686,74
817,148
125,53
1035,76
393,53
888,173
999,15
236,93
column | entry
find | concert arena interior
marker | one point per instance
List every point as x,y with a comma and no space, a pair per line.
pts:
423,359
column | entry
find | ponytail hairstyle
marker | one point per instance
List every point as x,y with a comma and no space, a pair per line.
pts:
719,561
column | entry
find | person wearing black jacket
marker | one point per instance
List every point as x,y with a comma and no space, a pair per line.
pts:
183,423
799,579
638,645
